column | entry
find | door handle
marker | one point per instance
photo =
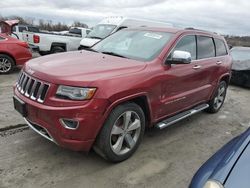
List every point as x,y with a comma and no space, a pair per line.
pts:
219,62
196,67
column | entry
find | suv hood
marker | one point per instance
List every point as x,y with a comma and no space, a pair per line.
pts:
239,176
80,67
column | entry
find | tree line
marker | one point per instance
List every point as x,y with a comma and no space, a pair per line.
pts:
238,40
47,25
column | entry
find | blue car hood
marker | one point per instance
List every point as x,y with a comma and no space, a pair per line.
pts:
239,176
219,166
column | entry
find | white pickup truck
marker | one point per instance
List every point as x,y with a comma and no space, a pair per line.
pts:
49,42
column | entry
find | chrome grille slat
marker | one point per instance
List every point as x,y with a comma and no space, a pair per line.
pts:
39,93
32,88
27,87
23,84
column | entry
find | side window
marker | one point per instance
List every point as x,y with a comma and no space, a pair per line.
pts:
220,47
188,44
205,47
21,29
33,29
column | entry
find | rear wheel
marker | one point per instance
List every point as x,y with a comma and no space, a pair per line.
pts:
217,101
6,64
42,53
122,133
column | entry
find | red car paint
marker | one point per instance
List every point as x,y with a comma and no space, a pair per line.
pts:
6,26
164,89
18,50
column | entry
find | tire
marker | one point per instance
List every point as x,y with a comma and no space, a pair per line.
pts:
119,139
217,101
57,49
42,53
81,48
7,64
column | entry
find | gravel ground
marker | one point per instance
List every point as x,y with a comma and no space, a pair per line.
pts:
166,158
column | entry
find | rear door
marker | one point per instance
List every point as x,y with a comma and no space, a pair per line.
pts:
222,59
206,65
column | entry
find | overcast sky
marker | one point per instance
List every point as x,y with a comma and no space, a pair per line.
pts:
222,16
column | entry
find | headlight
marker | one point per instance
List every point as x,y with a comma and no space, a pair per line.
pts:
75,93
213,184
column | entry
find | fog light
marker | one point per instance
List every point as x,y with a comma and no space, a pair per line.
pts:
69,123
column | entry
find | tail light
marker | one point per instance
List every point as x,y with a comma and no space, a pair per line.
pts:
23,44
36,38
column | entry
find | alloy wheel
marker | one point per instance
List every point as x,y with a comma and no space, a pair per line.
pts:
125,132
219,99
5,65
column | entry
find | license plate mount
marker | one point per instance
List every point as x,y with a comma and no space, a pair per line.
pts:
20,106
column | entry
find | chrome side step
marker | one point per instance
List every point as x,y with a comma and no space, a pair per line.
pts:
169,121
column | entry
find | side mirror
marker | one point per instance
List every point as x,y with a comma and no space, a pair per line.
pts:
180,57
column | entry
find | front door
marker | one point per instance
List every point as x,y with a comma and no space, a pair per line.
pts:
184,85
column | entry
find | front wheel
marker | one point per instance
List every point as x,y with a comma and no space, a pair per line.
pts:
6,64
217,101
122,133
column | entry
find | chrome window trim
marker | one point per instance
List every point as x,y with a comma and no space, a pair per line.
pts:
195,34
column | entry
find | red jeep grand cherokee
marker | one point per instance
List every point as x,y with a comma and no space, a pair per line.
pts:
136,78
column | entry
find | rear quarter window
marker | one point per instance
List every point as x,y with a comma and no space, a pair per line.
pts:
21,29
221,49
206,48
33,29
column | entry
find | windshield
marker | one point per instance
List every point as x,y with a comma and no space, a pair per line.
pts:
241,54
133,44
101,31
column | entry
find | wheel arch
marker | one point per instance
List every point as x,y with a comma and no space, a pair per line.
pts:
226,78
8,54
58,44
140,99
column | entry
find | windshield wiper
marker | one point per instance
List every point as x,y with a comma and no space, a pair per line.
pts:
114,54
93,37
91,49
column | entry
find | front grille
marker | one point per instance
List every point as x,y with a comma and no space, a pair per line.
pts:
32,88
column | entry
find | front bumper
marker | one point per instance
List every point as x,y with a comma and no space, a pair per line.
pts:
45,120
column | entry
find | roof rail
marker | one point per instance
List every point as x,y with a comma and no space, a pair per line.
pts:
191,28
